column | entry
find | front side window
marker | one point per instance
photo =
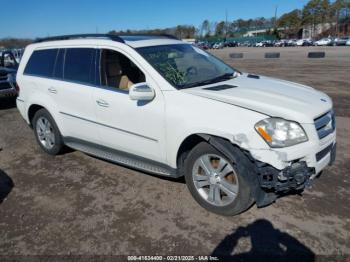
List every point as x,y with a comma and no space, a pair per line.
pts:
79,65
119,72
41,63
184,65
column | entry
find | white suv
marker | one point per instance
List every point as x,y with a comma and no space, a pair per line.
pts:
163,106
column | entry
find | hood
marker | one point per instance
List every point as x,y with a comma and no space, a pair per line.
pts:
272,97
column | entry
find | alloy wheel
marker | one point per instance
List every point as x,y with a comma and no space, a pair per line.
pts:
215,179
45,132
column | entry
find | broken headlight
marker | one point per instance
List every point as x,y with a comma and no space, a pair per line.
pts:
278,132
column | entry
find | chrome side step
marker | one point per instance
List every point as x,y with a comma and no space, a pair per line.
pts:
122,158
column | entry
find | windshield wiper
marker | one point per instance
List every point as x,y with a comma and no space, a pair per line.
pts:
220,78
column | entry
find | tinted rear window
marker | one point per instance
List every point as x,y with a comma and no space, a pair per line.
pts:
41,63
58,70
79,65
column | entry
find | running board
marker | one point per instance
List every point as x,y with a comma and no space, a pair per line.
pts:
121,158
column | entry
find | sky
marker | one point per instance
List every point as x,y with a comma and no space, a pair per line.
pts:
40,18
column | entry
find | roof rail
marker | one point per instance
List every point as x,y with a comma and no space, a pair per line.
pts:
151,35
77,36
107,36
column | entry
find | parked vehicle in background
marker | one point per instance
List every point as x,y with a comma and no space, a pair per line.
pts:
218,45
291,42
231,44
324,42
304,42
265,43
280,43
340,41
166,107
246,44
348,42
8,70
203,45
17,54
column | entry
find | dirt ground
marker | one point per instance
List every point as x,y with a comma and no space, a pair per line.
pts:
77,204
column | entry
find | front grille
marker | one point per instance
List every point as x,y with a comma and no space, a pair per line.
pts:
325,124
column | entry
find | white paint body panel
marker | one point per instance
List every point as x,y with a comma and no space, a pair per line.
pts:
156,130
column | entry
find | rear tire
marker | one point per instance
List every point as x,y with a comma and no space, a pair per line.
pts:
242,180
47,133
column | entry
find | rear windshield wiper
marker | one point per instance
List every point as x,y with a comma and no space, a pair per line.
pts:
223,77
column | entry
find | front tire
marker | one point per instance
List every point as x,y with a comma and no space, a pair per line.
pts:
47,133
219,184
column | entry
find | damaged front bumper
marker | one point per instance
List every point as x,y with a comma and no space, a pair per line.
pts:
294,178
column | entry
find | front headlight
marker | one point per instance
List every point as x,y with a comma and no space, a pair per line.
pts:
278,132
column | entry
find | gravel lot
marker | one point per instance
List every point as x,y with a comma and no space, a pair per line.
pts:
77,204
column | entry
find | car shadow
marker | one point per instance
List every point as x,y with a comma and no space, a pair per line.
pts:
267,244
6,185
7,103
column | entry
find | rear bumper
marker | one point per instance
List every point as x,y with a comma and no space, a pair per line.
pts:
21,106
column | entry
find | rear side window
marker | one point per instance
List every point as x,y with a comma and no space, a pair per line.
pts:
58,70
79,65
41,63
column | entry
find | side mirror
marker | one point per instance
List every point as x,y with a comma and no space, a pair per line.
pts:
141,91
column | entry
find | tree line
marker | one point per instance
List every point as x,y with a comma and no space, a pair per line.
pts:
315,12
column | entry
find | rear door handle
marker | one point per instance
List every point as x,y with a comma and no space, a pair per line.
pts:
52,90
102,103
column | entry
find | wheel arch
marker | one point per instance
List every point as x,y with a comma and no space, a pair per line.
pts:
39,101
220,143
32,110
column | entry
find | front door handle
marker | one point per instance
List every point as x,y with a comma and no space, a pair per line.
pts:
52,90
102,103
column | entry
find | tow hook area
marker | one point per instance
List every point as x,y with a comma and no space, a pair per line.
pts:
294,177
274,182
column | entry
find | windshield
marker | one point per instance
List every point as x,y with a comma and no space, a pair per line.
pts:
184,65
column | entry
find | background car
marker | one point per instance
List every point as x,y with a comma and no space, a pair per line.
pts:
8,70
218,45
280,43
304,42
291,42
324,42
341,40
231,44
203,45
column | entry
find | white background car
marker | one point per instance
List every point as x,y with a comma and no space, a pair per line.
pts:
304,42
218,46
166,107
323,42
